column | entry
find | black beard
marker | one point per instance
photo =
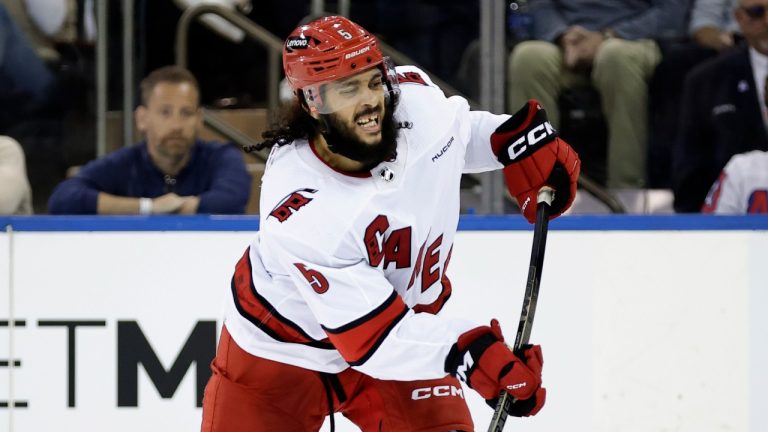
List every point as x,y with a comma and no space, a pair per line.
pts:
342,140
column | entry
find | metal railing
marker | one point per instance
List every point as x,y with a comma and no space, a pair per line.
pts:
493,49
274,68
272,43
219,125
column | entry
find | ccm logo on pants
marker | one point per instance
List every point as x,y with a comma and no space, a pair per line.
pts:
437,391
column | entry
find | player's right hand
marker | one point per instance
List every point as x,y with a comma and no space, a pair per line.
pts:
534,156
482,360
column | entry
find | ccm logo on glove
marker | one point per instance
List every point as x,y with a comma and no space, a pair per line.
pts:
533,157
534,136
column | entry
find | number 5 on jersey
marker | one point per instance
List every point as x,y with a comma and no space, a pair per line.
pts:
316,280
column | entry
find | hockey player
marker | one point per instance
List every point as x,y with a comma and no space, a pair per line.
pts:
333,307
742,187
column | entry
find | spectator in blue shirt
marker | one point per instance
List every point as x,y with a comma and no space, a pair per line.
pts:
171,171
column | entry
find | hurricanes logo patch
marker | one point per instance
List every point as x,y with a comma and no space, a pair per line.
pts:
292,203
410,77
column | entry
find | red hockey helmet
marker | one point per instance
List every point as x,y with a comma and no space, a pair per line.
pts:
329,49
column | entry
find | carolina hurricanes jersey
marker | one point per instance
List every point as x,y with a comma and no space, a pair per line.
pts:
742,187
351,269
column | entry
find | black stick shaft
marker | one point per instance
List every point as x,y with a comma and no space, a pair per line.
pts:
529,300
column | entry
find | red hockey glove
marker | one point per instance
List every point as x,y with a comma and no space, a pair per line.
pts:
534,156
482,360
532,356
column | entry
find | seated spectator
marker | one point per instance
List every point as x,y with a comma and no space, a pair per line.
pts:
171,171
15,193
712,24
712,29
723,110
26,83
609,45
742,187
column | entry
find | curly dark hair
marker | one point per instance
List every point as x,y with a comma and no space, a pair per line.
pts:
290,122
293,121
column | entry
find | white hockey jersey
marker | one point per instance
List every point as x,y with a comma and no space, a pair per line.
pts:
742,187
351,269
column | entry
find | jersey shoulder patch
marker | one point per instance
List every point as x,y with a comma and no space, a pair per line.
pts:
410,77
292,203
413,75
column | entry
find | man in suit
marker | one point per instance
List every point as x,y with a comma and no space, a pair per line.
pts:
722,111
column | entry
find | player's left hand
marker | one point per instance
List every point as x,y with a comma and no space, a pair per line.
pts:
487,365
534,156
523,408
532,357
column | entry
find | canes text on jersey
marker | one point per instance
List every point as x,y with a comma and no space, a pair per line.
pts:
396,248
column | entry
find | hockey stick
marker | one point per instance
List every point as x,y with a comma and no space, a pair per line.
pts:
544,199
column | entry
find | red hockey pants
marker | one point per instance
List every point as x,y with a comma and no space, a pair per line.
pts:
250,394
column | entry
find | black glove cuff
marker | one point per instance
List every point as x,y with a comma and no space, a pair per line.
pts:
457,366
518,408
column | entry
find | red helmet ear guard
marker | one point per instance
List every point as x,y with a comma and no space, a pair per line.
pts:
328,49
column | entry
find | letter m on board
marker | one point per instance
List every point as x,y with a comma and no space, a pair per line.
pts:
291,204
134,349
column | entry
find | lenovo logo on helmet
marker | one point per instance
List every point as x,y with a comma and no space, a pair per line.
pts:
297,43
357,53
534,135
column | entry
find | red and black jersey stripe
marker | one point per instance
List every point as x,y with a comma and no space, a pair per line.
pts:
256,309
358,340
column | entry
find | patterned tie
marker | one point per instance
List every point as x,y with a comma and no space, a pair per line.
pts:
765,92
765,101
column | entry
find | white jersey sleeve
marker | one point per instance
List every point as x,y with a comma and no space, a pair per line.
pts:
481,124
479,156
742,187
